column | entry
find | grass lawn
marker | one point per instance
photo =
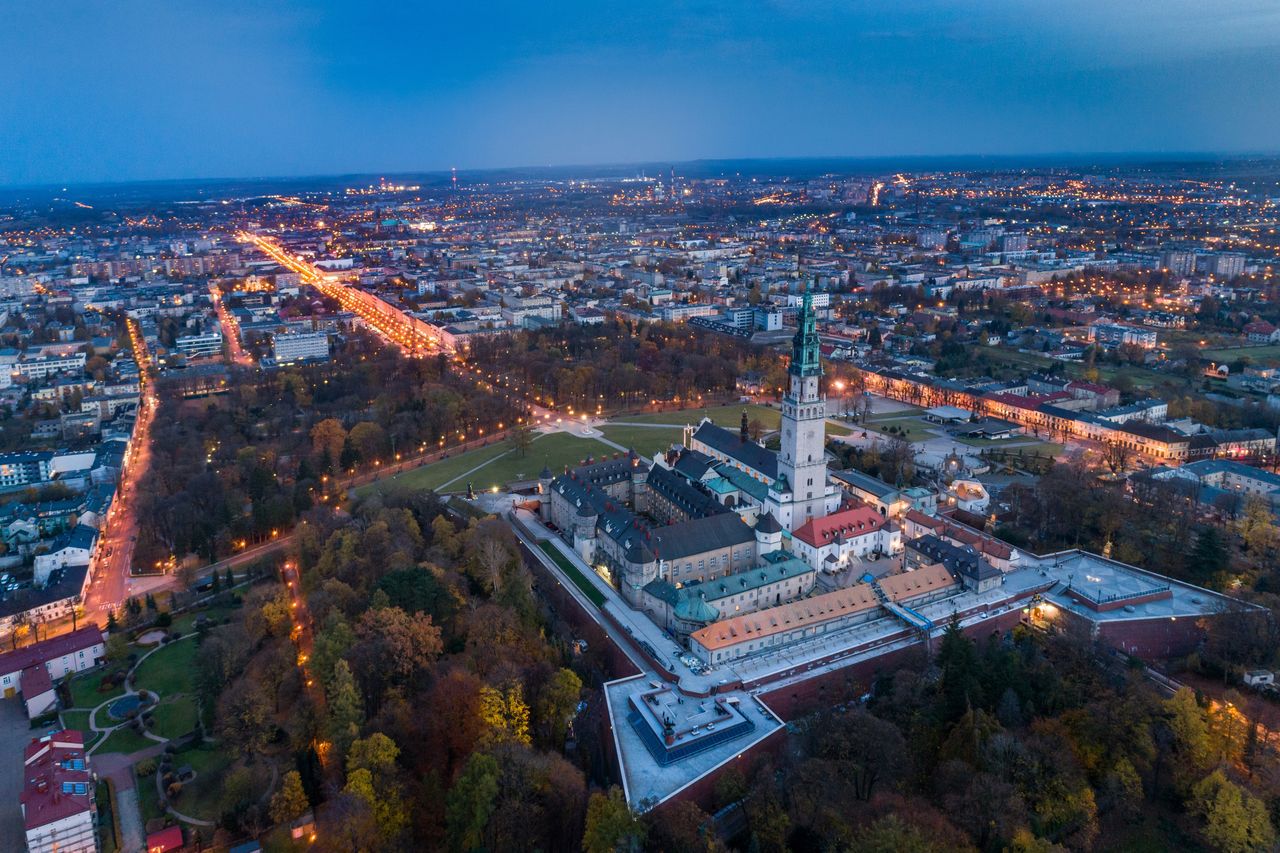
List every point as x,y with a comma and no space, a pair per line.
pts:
79,721
169,670
185,623
726,416
499,466
125,740
436,474
556,450
838,429
644,440
1254,354
912,428
588,588
176,717
148,797
199,798
84,689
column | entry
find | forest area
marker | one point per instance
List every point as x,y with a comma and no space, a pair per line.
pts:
228,470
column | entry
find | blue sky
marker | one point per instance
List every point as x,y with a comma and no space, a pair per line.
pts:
98,91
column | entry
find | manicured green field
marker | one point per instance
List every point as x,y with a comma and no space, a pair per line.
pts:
913,429
644,440
125,740
200,797
1254,354
498,465
588,588
79,721
175,717
170,670
436,474
555,450
148,797
726,416
84,689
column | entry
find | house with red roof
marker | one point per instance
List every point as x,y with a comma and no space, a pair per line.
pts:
830,543
1261,332
58,805
167,840
47,661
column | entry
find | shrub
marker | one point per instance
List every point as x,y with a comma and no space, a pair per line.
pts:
164,620
174,790
145,767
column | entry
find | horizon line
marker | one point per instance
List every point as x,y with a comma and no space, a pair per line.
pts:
1041,159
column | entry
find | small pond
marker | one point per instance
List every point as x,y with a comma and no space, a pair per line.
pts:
120,708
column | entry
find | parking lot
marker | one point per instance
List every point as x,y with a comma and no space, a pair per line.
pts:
15,734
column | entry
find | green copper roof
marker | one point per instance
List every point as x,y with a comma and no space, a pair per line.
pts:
806,353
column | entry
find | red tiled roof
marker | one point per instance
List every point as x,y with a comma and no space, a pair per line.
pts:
924,520
47,767
54,647
857,521
169,838
35,680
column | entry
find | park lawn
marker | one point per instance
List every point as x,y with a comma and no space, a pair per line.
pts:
169,670
175,717
913,428
148,797
1254,354
125,740
186,623
84,689
643,440
200,797
554,450
78,720
588,588
435,474
838,429
726,416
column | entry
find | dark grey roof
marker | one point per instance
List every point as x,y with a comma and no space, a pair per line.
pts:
694,464
701,535
768,524
963,561
64,582
689,499
866,482
731,444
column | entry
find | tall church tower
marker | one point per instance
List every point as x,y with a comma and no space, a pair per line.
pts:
802,465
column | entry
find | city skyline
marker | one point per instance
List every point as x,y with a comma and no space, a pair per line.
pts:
142,91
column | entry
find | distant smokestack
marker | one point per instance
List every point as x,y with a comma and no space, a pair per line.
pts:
744,434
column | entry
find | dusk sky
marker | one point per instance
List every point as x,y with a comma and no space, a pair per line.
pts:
107,91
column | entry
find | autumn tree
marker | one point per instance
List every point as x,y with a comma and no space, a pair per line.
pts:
1234,820
368,439
290,802
327,438
611,825
556,704
504,713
